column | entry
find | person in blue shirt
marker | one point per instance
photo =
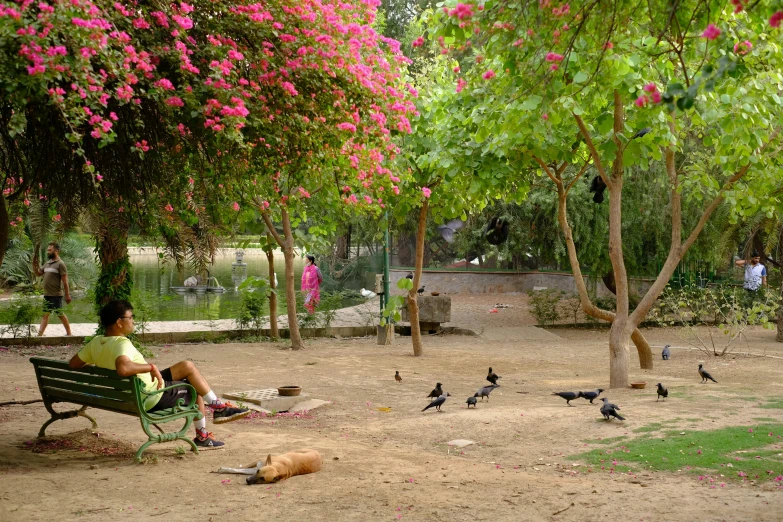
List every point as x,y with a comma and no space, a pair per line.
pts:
755,273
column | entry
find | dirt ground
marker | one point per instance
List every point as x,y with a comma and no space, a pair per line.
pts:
396,465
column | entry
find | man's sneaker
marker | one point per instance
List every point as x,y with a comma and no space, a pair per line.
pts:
204,440
227,412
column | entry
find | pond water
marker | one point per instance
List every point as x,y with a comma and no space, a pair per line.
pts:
155,280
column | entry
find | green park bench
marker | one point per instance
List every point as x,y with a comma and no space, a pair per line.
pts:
105,390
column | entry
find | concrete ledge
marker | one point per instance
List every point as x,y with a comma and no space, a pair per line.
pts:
209,335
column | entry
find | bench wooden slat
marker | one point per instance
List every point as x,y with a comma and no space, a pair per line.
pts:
87,400
81,377
87,389
44,362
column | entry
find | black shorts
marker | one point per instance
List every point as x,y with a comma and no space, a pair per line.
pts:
169,398
53,303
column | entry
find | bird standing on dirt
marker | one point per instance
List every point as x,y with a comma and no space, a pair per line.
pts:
437,392
705,375
492,376
471,400
420,290
590,395
409,276
608,410
662,392
437,403
485,391
666,354
568,396
397,376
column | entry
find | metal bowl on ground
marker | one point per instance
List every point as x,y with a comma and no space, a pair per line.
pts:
289,391
638,385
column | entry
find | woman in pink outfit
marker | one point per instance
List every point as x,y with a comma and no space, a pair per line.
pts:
311,283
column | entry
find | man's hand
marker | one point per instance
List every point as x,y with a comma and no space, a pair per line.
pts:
156,376
68,299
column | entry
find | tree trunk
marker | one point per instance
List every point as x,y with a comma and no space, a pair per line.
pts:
4,225
779,337
619,356
114,280
413,304
290,289
343,245
270,259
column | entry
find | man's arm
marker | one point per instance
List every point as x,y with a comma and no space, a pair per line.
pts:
740,262
127,368
75,362
764,277
67,290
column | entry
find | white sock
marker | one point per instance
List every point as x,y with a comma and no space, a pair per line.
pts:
200,424
210,397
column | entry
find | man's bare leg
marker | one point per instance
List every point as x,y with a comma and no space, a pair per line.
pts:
44,324
66,324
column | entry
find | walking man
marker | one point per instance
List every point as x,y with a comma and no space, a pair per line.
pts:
55,279
755,273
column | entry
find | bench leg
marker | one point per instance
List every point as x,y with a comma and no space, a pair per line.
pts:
65,415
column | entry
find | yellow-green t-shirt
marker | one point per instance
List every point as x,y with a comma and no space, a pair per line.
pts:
103,351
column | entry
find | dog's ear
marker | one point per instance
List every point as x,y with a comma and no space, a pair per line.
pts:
268,460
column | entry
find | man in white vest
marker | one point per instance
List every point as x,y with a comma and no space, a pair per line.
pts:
755,273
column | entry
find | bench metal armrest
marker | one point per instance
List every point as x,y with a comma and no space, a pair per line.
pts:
180,402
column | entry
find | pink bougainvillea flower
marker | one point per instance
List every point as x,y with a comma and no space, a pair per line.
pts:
553,57
346,126
58,217
488,75
711,32
418,42
545,116
235,206
461,84
641,101
775,19
169,208
743,47
427,192
650,87
750,430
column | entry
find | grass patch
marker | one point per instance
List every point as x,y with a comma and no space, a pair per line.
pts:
735,452
609,440
655,426
774,404
764,419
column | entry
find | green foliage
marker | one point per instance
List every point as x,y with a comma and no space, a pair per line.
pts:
114,282
543,305
391,312
747,450
325,310
725,311
255,293
17,267
19,315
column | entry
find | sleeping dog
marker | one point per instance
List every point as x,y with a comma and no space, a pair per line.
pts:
281,467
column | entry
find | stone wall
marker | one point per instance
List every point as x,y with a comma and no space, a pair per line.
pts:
467,282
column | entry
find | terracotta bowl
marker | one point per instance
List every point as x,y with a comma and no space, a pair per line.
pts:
638,385
434,293
289,391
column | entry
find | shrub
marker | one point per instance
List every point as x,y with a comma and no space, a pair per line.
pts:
253,307
543,305
19,314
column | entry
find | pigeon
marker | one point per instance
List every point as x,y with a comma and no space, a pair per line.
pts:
642,132
493,377
437,403
598,186
662,392
420,290
397,376
497,231
608,410
369,294
471,400
437,392
666,354
485,391
705,375
568,396
409,276
591,394
447,231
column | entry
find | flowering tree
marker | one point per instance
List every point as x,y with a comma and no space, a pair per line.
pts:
601,87
279,85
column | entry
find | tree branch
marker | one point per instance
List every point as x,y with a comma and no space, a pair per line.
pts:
593,152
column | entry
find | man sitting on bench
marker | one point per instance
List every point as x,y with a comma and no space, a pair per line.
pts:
114,351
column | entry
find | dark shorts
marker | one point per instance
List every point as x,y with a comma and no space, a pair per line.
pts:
169,398
53,303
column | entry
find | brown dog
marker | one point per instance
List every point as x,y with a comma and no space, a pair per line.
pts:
285,466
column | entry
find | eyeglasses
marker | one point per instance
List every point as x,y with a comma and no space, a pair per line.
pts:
127,317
